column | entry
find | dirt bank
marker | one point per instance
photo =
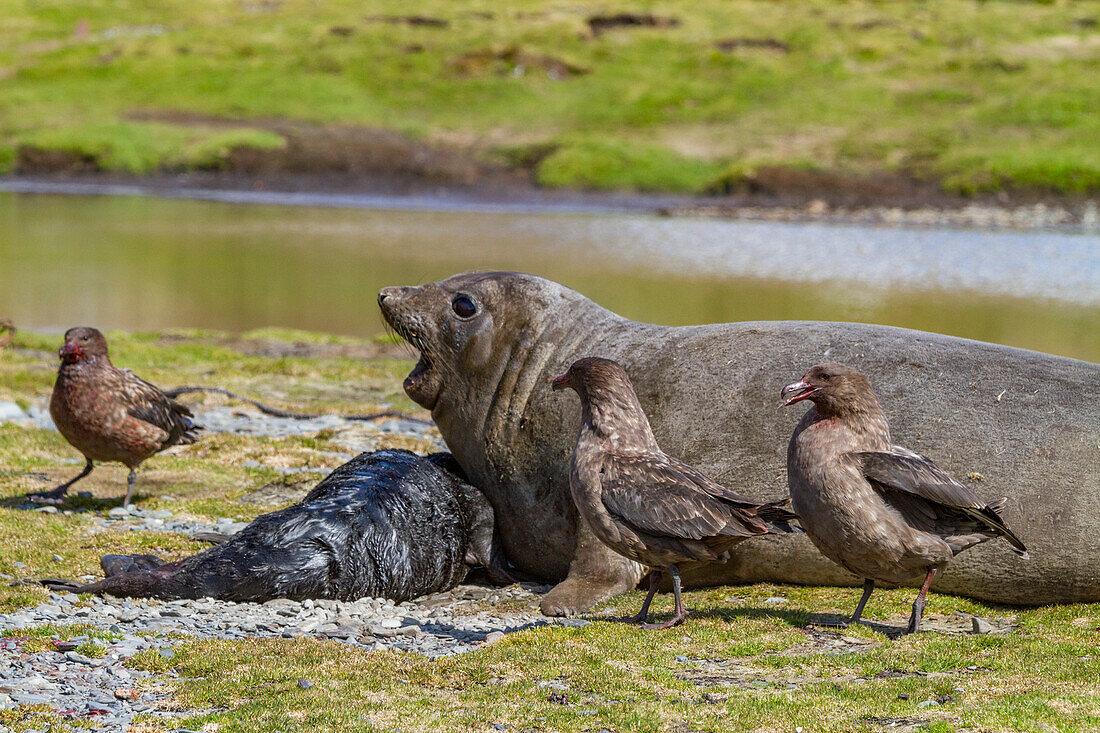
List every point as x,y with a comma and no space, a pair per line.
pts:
344,159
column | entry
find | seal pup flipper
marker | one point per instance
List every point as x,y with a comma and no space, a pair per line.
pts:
118,564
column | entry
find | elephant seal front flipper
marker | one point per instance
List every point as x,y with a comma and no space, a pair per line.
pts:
596,573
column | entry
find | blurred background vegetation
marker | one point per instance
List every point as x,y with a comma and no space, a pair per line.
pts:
709,96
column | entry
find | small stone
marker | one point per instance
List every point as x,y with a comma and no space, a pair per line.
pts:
498,726
118,511
774,600
390,622
382,632
681,659
493,637
47,510
305,684
340,632
79,658
903,696
167,653
56,558
577,623
980,625
126,693
928,704
84,494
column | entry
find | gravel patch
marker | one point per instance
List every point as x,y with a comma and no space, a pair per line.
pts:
102,689
250,421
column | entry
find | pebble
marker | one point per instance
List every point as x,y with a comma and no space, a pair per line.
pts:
305,684
774,601
578,623
980,625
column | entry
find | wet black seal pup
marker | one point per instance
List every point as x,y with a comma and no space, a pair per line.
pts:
389,524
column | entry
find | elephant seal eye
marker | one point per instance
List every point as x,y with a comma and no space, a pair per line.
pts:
463,306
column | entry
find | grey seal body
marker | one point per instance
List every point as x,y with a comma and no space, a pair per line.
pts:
1028,423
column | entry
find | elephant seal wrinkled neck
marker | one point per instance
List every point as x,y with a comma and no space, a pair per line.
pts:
484,339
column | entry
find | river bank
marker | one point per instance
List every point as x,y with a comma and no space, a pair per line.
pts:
893,203
934,105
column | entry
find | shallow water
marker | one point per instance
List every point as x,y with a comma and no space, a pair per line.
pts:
135,262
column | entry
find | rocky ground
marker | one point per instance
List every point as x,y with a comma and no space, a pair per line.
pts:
103,688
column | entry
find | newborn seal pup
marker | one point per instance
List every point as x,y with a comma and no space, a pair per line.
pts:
491,342
878,509
109,414
388,524
643,504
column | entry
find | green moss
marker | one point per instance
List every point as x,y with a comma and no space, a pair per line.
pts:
593,164
140,147
736,663
8,157
119,146
214,151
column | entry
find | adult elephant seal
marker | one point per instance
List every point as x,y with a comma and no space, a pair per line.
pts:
1017,422
389,524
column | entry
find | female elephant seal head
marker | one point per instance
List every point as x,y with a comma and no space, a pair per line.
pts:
458,324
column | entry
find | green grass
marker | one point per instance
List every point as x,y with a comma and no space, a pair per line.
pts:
738,663
975,95
735,665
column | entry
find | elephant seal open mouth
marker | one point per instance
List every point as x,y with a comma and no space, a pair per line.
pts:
491,342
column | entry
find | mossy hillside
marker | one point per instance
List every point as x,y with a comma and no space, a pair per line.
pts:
974,95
